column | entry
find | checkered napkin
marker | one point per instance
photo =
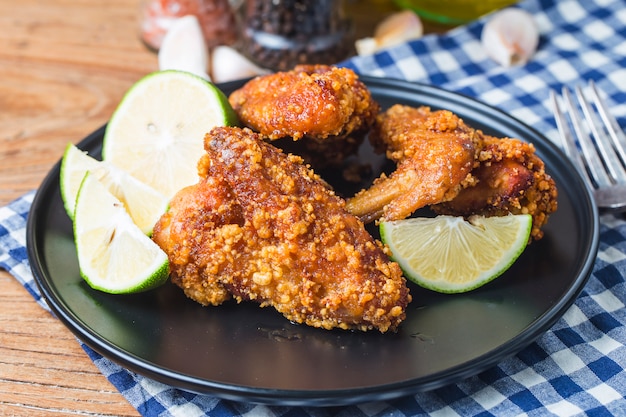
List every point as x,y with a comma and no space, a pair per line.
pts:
577,367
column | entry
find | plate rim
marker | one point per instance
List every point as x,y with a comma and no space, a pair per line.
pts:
322,397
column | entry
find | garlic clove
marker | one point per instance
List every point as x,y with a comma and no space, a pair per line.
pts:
184,48
396,28
227,64
366,46
510,37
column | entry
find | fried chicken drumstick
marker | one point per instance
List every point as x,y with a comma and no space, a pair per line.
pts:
262,226
327,107
434,152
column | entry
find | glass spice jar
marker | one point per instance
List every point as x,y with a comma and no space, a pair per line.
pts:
279,34
216,18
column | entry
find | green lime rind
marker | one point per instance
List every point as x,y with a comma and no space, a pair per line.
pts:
228,118
69,184
156,280
144,203
450,262
157,131
114,254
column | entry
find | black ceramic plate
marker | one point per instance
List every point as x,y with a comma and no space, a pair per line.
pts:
246,353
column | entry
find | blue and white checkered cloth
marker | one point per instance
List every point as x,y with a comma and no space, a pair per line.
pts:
578,366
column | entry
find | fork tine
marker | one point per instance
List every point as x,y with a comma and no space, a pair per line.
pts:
615,132
567,139
608,195
603,143
594,163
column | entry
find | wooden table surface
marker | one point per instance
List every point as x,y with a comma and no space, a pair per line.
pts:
64,65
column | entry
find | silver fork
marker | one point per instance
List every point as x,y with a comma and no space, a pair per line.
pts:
601,152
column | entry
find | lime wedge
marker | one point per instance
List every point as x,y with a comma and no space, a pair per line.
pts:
74,166
450,254
157,131
114,255
144,204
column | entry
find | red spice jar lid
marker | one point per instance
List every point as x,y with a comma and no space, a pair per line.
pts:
216,19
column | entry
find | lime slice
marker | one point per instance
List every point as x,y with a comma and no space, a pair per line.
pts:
114,255
144,204
449,254
157,131
74,166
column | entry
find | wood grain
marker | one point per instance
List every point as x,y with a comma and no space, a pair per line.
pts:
43,369
64,65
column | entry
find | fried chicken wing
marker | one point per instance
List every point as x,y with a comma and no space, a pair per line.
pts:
262,226
454,169
201,232
326,106
511,179
435,152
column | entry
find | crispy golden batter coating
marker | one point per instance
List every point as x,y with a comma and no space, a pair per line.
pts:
454,169
261,226
202,226
511,179
328,106
435,153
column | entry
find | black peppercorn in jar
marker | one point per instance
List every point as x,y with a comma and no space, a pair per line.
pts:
279,34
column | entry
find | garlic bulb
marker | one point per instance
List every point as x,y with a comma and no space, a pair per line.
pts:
510,37
396,28
184,48
227,64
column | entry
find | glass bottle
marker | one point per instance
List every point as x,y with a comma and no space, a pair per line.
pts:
279,34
